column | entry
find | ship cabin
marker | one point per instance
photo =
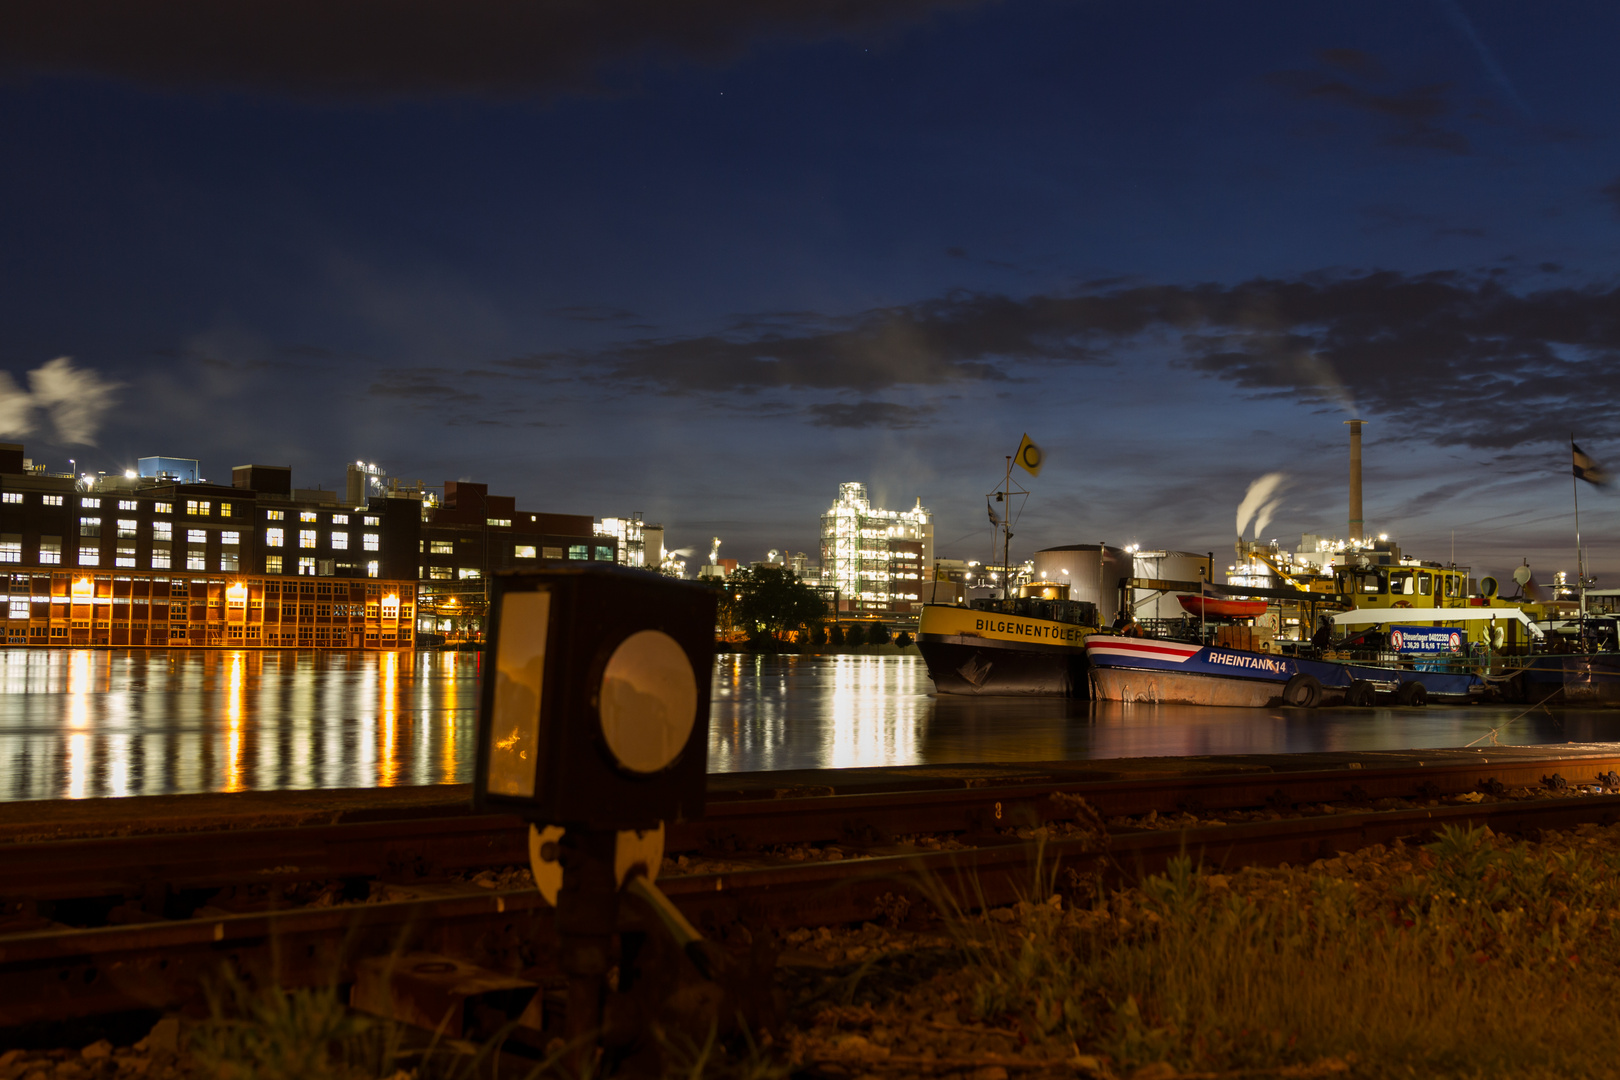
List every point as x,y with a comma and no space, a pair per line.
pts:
1403,586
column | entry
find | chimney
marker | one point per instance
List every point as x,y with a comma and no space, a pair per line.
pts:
1355,479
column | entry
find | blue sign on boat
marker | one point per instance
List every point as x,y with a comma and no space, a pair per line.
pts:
1425,639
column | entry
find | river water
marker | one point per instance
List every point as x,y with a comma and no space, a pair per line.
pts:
78,724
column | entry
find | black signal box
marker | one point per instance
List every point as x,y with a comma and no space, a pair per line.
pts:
594,711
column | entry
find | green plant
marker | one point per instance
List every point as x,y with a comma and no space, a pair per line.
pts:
902,639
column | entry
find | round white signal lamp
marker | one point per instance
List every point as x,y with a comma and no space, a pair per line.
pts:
648,701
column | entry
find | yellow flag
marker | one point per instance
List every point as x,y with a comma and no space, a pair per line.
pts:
1029,456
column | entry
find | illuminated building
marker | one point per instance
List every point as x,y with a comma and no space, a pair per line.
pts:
874,560
168,559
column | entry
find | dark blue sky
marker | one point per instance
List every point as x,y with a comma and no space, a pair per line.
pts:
708,266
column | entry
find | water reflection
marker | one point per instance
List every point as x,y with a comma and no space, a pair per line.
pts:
790,712
137,722
144,722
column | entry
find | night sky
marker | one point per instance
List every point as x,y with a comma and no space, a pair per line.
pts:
693,261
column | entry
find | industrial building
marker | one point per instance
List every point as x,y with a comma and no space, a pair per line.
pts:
159,556
874,561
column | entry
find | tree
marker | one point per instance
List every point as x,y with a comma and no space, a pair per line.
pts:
855,634
818,636
877,634
768,601
836,636
902,639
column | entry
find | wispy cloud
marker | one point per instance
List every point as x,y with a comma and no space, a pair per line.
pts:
869,414
1410,117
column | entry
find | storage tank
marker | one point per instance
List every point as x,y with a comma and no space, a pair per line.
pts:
1092,572
1166,566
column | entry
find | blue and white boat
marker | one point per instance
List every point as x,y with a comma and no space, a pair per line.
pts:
1153,671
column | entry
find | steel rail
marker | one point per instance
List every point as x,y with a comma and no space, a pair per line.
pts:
420,849
63,973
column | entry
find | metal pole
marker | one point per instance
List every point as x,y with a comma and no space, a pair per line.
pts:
1006,532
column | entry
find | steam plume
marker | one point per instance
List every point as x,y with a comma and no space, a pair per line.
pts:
75,400
1258,500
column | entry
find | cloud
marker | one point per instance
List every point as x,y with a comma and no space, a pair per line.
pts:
1455,358
869,414
394,48
1409,117
423,388
74,399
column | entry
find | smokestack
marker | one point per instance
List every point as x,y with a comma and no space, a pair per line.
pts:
1355,479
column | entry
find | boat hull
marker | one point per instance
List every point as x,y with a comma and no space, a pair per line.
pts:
1138,687
987,653
961,665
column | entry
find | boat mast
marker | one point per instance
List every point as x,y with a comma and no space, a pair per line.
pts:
1006,533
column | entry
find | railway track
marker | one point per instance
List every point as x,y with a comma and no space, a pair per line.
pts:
108,924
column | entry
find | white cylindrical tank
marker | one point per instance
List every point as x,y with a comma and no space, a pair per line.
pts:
1092,572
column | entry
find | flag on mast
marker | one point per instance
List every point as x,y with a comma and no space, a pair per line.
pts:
1029,456
1587,469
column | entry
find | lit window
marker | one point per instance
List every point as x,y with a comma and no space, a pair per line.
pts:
578,551
224,509
372,568
163,508
126,528
306,515
230,539
439,573
500,522
373,521
272,564
53,500
523,551
306,539
441,547
196,536
340,519
372,542
604,554
19,609
11,496
273,537
275,515
89,556
163,530
11,547
128,504
468,572
160,560
306,567
195,561
197,506
50,550
125,557
228,561
92,504
340,541
552,552
89,526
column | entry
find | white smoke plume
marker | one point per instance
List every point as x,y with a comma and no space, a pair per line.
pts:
75,400
1258,501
